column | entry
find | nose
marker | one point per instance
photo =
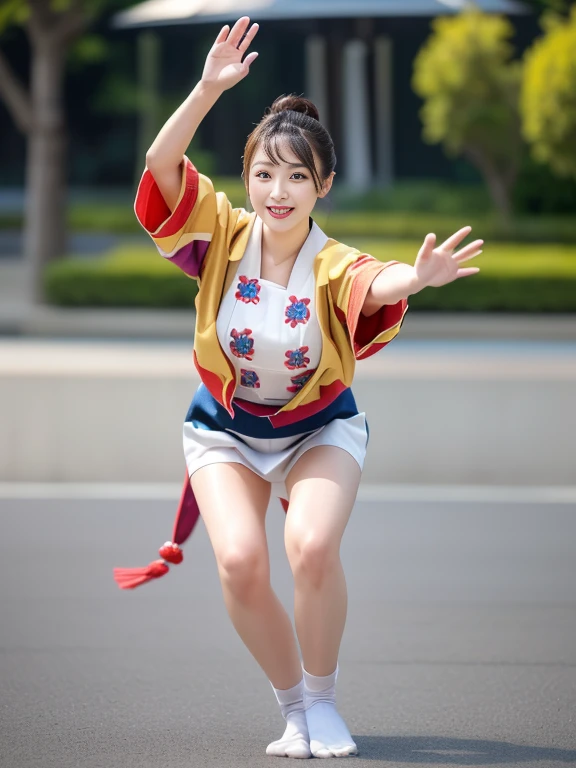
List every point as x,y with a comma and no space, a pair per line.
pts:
278,192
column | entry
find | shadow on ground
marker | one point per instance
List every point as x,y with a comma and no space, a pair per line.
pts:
434,750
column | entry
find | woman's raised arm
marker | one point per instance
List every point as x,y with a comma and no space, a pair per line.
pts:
223,69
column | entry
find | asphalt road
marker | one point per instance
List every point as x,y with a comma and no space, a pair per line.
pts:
460,647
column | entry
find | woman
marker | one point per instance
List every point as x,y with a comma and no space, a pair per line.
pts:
283,311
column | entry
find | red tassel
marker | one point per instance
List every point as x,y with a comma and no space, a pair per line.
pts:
171,553
128,578
186,518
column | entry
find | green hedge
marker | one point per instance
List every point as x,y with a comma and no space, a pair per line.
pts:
408,211
513,278
124,278
348,225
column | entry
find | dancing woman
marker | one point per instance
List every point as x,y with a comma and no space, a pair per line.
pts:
282,313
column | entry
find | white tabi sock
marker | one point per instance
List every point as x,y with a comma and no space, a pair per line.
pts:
329,734
294,742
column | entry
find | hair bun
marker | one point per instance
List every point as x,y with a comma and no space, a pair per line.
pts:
295,104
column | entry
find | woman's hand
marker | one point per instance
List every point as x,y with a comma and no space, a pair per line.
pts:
224,66
436,266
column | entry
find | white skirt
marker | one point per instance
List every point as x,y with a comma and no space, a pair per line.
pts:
272,459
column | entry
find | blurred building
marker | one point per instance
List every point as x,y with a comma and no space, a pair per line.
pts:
353,59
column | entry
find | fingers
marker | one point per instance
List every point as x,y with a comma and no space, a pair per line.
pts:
223,35
469,251
250,58
427,246
467,272
238,31
250,35
455,239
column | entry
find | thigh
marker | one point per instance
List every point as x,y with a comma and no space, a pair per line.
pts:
233,501
322,488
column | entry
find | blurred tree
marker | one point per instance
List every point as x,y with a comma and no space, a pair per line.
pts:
140,93
53,27
548,96
558,6
470,86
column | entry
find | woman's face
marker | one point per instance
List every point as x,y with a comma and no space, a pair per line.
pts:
283,195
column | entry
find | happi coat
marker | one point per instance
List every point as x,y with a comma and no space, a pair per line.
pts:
205,237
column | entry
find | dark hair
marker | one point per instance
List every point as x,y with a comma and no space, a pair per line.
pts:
296,119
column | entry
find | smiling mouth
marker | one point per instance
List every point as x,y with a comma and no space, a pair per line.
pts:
279,212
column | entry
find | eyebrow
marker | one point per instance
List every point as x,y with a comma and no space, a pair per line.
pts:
292,165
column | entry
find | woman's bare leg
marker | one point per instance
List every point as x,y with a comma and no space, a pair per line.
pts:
233,503
322,487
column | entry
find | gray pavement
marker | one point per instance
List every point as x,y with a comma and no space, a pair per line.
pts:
450,412
459,648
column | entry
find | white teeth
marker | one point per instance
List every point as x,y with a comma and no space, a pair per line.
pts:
280,210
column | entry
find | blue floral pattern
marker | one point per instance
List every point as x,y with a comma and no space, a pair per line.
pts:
297,311
300,380
242,345
296,358
249,379
248,290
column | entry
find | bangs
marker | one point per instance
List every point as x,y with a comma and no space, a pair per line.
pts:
271,142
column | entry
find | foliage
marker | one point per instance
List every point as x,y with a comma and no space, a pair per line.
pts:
17,12
414,195
545,6
39,112
125,278
513,278
469,83
465,74
548,98
540,191
348,226
85,41
12,12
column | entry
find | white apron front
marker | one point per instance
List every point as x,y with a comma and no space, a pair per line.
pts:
271,333
272,337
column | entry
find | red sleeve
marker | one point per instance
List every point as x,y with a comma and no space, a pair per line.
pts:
370,334
151,209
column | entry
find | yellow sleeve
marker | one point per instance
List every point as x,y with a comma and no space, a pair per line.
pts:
200,217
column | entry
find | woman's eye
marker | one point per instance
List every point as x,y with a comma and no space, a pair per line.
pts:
266,175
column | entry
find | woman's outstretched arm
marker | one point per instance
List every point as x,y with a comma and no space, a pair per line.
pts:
223,69
434,266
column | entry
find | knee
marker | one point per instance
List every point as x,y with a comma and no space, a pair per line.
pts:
244,571
312,560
